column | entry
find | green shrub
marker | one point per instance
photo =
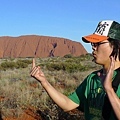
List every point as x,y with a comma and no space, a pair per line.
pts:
20,64
8,65
88,56
54,66
65,66
68,56
25,61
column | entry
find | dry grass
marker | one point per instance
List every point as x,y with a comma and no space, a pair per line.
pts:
18,91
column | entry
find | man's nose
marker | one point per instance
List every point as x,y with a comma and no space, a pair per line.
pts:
93,47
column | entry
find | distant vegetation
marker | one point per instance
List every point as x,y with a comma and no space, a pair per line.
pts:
70,64
20,92
10,64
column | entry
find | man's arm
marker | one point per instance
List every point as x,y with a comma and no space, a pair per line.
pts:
60,99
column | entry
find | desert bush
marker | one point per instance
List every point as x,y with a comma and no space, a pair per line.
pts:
8,65
11,64
25,61
68,56
55,66
68,66
71,67
20,64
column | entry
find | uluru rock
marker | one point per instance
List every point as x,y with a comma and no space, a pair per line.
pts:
39,46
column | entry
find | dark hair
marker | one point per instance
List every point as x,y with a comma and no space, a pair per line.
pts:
116,48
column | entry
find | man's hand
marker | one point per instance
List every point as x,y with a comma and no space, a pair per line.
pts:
107,83
36,72
107,78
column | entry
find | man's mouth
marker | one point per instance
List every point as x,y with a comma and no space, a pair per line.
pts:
94,55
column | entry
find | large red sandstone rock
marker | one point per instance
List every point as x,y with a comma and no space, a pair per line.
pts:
41,46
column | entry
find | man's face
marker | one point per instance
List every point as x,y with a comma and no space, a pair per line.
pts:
101,52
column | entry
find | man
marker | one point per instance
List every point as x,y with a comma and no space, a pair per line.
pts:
99,94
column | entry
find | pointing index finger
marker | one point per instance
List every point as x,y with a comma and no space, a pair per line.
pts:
33,63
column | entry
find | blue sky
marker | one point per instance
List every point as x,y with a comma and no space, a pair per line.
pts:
70,19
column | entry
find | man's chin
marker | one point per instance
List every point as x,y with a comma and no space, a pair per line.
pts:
94,60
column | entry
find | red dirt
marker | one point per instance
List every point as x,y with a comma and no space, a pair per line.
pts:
26,115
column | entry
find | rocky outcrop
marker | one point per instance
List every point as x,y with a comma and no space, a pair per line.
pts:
39,46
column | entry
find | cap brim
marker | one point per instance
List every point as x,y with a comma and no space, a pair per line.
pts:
94,38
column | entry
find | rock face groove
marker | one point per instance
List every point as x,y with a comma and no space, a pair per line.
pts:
39,46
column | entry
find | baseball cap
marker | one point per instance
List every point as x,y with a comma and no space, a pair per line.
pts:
105,29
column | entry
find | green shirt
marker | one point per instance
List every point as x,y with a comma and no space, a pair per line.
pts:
90,96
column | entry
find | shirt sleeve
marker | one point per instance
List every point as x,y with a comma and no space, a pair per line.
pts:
79,94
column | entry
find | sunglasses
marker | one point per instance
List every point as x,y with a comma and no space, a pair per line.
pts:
97,44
